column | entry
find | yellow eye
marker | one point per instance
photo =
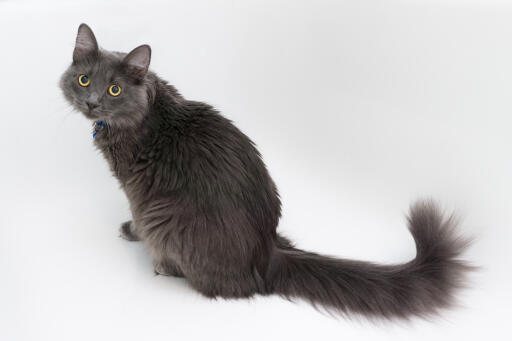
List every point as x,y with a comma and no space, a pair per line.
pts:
83,80
114,90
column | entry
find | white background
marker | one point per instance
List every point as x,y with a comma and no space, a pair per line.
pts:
359,108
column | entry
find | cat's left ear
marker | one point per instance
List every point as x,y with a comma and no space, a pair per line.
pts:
86,45
137,61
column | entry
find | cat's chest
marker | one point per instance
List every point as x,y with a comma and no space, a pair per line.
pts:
120,155
143,164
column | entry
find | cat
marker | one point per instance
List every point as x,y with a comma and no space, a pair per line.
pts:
206,208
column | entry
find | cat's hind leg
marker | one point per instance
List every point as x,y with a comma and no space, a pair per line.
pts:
127,231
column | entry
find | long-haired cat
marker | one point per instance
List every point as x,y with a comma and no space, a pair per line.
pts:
205,206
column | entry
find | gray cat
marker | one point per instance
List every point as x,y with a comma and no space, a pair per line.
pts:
206,208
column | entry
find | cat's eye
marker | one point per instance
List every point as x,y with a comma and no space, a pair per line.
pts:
83,80
114,90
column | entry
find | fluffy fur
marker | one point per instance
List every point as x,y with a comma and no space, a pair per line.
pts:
205,206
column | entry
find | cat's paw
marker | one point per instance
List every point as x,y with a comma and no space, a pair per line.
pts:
126,231
167,270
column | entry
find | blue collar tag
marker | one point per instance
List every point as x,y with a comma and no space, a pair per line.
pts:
98,125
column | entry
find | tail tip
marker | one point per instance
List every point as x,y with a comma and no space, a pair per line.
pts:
433,232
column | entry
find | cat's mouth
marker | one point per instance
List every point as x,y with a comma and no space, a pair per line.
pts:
91,114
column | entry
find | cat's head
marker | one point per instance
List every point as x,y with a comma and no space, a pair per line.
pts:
104,85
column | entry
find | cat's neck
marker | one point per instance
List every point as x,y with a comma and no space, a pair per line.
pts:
120,145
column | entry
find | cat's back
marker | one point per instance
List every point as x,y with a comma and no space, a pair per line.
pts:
193,145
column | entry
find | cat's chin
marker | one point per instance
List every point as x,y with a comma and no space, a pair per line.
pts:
90,115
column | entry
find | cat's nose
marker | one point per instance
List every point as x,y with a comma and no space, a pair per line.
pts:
92,105
92,101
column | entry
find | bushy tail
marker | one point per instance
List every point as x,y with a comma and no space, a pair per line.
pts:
417,288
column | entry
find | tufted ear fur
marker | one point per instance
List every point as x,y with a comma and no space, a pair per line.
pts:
137,61
86,45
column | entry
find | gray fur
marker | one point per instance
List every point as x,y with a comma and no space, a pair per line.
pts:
205,206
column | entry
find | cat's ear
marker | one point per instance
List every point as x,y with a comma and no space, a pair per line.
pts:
137,61
86,45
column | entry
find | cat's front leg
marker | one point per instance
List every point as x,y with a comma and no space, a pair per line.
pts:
167,268
127,231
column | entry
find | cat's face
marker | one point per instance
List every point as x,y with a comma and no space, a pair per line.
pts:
107,86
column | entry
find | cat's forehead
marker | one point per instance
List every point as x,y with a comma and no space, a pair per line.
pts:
107,64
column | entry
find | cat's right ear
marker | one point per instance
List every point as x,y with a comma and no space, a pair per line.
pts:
86,46
137,62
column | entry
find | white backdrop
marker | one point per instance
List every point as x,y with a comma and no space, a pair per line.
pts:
364,106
